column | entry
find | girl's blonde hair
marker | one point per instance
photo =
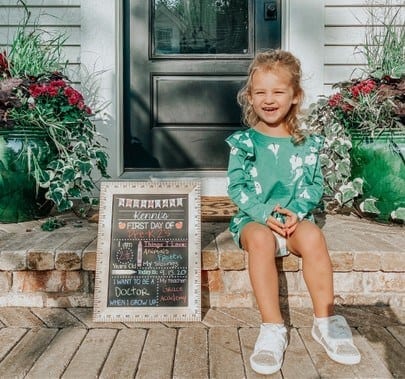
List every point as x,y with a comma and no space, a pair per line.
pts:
274,60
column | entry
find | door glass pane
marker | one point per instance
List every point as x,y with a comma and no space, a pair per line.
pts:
200,27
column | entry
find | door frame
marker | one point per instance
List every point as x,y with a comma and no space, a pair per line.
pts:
102,51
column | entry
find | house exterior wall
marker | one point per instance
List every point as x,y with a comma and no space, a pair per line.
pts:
322,33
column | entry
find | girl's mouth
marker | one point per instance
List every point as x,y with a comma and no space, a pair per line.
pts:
269,109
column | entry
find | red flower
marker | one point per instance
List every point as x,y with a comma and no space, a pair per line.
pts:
335,99
364,87
3,60
58,83
73,96
36,90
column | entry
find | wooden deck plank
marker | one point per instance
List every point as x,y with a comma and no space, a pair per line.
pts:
57,318
387,347
247,316
215,317
191,360
19,317
248,337
54,360
297,362
19,361
85,315
364,315
9,337
370,366
122,362
90,357
158,354
223,345
398,332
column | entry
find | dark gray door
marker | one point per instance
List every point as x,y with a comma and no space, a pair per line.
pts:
184,63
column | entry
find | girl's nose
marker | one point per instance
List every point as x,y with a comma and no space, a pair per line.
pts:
269,98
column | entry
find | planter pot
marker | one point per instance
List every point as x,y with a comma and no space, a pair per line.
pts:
20,151
380,162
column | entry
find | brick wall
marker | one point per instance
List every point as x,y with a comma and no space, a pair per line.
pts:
42,269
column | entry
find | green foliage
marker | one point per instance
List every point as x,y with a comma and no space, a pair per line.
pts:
384,47
35,96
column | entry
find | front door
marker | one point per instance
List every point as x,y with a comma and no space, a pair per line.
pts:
184,62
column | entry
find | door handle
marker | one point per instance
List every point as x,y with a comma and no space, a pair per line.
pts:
270,10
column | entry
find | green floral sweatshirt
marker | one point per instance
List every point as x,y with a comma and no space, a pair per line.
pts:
264,171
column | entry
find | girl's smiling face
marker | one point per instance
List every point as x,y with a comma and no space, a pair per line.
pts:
272,96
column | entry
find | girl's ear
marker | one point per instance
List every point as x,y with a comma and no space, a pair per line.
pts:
297,98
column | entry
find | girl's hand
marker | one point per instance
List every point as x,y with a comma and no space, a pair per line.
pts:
276,226
291,222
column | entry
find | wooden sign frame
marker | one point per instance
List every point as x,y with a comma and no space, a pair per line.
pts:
148,264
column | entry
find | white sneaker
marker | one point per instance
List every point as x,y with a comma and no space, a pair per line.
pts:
334,334
268,353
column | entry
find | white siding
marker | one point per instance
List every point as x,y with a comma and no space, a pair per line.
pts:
53,16
345,26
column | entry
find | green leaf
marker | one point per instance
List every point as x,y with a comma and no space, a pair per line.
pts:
85,167
348,193
358,185
68,174
74,192
398,214
368,206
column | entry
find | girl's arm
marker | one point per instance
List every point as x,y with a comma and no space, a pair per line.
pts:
310,194
241,186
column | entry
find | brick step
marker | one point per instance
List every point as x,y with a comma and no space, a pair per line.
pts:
57,269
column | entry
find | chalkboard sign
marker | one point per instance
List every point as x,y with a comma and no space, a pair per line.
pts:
148,252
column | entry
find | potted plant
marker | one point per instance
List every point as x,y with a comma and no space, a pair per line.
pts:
49,145
363,124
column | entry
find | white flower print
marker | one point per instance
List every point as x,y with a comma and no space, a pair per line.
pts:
310,159
296,167
258,188
243,198
274,148
298,173
237,220
248,142
304,195
296,162
253,172
234,150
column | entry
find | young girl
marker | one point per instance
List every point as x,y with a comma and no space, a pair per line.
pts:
275,179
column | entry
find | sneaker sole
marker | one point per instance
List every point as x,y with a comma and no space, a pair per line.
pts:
337,358
264,370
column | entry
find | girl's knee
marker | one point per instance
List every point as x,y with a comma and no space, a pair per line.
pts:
257,238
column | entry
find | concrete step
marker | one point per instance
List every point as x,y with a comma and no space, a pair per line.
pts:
57,269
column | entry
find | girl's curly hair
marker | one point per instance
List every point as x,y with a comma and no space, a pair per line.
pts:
273,60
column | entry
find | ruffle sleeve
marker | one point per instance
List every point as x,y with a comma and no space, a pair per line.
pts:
241,186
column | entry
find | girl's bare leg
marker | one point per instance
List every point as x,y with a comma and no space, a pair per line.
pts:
308,242
258,240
